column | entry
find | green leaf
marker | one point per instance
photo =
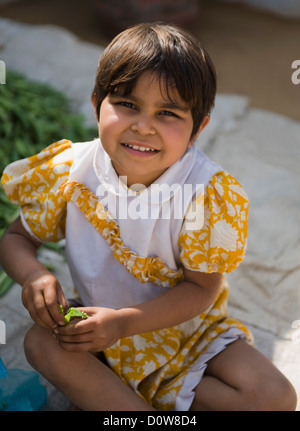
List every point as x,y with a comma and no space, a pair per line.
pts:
72,312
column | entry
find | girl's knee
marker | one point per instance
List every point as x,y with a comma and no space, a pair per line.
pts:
250,381
282,395
272,392
34,344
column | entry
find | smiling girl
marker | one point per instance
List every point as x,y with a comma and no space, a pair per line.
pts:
158,335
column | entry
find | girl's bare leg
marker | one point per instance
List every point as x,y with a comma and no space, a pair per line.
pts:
241,378
81,377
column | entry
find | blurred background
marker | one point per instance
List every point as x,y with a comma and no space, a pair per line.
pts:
252,42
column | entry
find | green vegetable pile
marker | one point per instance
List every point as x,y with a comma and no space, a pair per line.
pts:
32,116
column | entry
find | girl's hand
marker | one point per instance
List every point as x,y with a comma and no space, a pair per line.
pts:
41,295
102,329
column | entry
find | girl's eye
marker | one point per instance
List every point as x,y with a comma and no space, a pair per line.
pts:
126,104
168,114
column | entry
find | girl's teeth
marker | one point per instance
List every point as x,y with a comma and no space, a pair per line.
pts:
136,147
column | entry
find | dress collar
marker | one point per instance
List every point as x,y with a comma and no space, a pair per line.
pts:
172,179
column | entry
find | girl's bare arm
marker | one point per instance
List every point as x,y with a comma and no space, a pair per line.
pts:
188,299
41,291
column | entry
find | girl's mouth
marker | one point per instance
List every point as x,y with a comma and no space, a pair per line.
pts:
139,149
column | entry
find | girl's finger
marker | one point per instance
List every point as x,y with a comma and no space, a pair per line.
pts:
79,327
90,311
39,313
52,306
81,338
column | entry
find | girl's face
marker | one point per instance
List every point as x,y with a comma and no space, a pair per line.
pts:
145,132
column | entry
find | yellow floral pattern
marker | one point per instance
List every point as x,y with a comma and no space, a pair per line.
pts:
153,364
32,183
156,363
220,245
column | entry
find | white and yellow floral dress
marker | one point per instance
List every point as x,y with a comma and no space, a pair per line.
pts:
125,247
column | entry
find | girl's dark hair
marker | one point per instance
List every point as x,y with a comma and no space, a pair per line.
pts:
176,56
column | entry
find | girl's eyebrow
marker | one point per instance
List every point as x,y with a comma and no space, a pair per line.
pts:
165,105
176,106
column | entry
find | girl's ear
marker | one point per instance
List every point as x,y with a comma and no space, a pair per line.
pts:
204,123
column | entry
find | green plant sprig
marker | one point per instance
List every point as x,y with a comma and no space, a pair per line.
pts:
72,312
33,115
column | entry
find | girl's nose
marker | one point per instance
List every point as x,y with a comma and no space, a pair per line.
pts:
143,125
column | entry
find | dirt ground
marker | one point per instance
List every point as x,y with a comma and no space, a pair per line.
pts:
253,51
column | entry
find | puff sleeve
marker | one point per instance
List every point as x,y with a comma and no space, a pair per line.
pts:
33,184
220,244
